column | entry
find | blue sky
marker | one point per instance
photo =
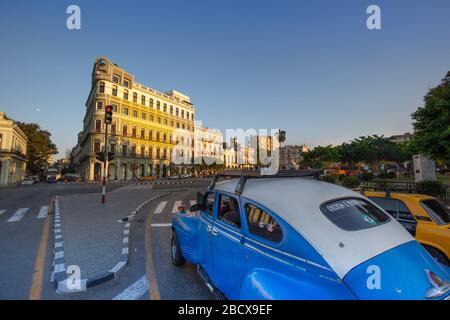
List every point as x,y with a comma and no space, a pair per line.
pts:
309,67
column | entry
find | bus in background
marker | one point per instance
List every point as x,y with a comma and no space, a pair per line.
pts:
52,175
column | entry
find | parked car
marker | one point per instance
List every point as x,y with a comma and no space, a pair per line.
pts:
425,217
298,238
27,182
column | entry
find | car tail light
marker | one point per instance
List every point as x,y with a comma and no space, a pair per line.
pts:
181,209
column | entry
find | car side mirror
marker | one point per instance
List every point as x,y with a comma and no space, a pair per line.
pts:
195,207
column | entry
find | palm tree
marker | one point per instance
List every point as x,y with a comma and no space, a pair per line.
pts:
281,136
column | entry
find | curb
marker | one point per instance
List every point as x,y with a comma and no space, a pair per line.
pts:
126,182
59,275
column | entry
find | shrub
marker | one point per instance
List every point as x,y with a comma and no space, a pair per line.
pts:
329,178
350,182
367,176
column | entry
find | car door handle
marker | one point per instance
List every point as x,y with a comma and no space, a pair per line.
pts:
214,231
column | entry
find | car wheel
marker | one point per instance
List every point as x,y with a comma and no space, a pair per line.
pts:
175,253
437,255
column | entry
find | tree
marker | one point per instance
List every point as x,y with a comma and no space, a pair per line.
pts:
431,123
281,136
319,156
39,147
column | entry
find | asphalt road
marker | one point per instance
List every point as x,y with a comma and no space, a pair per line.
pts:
149,247
21,231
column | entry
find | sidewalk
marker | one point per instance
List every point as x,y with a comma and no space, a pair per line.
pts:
91,236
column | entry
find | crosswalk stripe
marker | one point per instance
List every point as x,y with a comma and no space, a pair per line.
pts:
18,215
175,206
2,212
160,207
43,212
135,291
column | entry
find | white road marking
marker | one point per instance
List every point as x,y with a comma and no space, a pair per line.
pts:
161,224
2,212
192,202
175,206
135,291
18,215
160,207
43,212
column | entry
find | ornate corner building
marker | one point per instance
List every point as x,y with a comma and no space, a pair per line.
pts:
147,125
13,149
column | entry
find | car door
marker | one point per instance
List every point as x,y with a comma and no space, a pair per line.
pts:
226,246
206,221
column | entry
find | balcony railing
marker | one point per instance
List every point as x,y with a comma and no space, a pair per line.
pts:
12,152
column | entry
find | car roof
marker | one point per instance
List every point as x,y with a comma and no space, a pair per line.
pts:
398,195
297,201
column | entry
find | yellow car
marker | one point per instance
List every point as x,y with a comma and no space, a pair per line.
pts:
425,217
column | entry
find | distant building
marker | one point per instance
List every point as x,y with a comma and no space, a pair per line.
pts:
291,156
401,138
208,145
13,149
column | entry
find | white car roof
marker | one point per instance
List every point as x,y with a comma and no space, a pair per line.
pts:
297,201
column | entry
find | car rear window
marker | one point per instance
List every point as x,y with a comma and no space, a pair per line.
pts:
353,214
438,210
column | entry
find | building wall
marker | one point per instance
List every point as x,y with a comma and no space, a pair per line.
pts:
154,122
13,149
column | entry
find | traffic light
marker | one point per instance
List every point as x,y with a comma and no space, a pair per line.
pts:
108,114
100,156
111,156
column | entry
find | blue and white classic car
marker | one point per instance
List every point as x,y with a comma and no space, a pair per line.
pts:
297,238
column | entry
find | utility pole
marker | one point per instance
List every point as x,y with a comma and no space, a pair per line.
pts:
108,120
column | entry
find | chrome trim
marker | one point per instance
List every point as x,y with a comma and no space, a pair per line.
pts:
436,290
290,255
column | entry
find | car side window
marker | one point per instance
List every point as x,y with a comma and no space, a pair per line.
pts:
263,224
389,205
403,212
209,203
229,211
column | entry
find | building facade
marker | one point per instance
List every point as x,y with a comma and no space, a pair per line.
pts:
208,145
401,138
291,156
13,149
146,126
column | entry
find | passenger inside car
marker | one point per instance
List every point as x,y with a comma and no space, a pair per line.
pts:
229,211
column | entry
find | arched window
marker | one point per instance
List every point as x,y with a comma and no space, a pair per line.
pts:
114,91
165,107
142,151
143,100
125,94
151,103
150,134
158,105
135,97
125,130
164,137
157,136
102,87
171,109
